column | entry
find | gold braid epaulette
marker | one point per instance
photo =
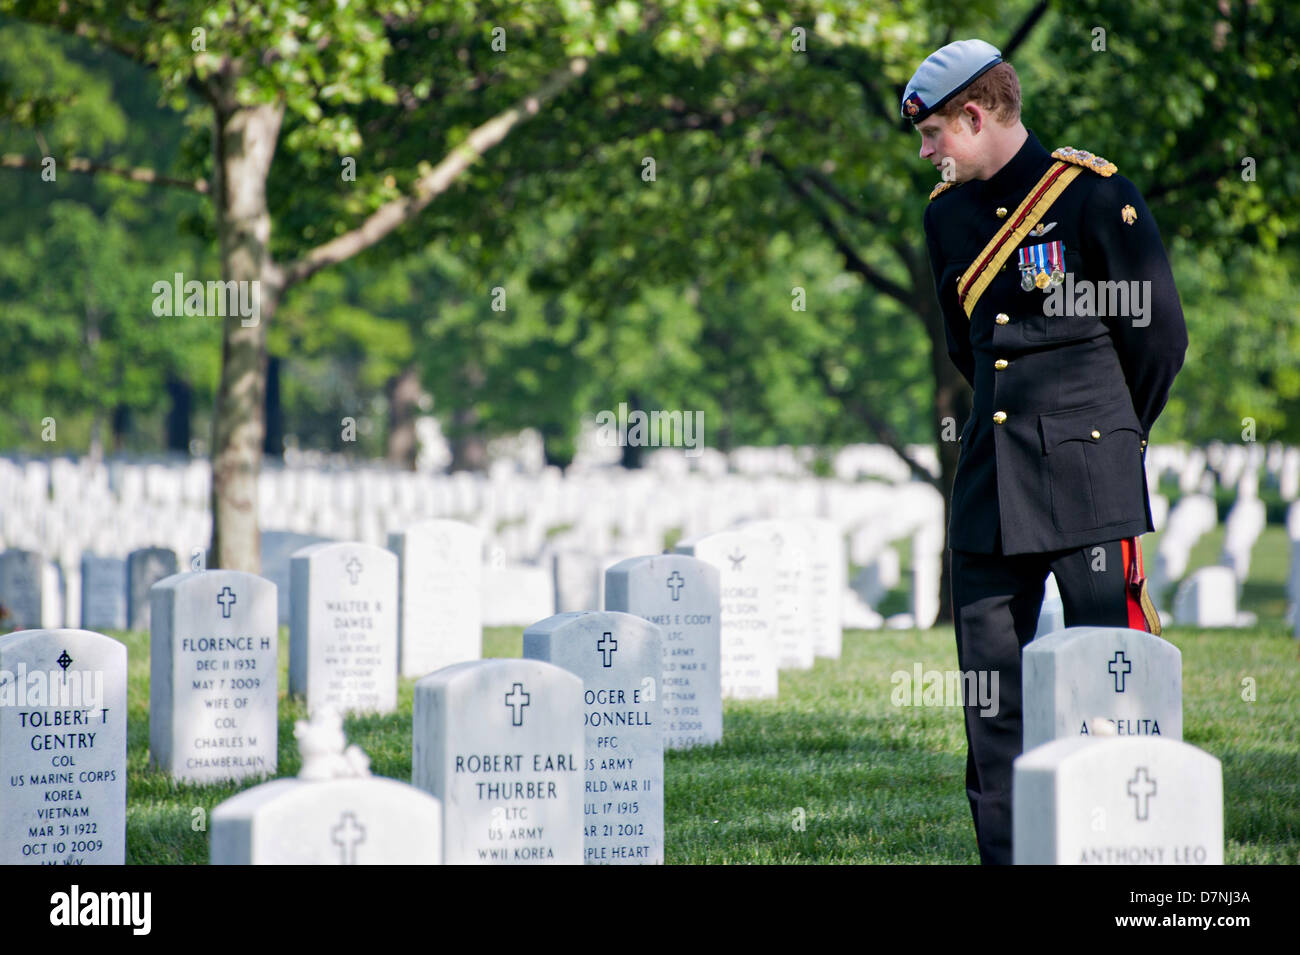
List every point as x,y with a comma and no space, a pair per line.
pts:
942,188
1081,157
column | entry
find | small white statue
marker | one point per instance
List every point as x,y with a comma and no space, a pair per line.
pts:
1101,726
324,750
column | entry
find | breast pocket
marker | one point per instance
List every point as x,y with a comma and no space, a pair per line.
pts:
1040,326
1094,465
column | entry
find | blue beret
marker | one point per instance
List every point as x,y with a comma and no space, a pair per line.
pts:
945,73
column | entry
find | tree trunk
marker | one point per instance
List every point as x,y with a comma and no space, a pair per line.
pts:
558,446
273,445
632,454
952,399
404,394
121,425
244,141
177,423
468,446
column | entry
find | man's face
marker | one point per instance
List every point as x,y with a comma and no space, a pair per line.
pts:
955,140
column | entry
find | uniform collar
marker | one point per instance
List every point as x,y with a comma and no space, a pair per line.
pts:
1021,170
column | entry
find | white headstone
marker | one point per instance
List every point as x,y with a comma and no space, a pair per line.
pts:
1117,801
577,576
746,578
21,589
333,813
214,644
1207,598
278,548
62,748
343,628
440,581
793,588
144,568
514,595
1072,678
53,587
681,595
828,571
619,658
1051,617
500,744
103,593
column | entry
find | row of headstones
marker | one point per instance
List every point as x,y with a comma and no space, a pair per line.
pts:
114,593
554,758
557,757
523,517
783,580
213,662
355,504
1104,777
176,480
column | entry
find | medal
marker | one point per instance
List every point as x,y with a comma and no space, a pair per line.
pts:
1056,253
1042,265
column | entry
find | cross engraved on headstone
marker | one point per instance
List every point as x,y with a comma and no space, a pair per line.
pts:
227,600
64,660
1142,796
607,645
736,558
675,583
517,699
353,567
1118,667
347,835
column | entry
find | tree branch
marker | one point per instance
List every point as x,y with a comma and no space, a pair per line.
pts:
437,181
828,186
887,435
1023,31
852,261
80,164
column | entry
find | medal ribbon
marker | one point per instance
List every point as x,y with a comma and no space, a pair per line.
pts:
976,279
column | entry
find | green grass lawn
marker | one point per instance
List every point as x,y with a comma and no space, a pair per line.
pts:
875,783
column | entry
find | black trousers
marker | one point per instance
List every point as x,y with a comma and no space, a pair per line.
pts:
996,601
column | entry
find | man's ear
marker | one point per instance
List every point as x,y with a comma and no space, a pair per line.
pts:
972,113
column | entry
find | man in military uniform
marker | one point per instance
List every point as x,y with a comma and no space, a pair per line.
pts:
1060,310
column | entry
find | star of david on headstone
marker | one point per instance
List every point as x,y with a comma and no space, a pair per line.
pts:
64,660
736,558
517,699
354,568
347,835
675,583
1141,788
607,645
227,600
1119,666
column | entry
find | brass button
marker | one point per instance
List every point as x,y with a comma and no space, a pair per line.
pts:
1002,318
1002,212
1144,442
999,417
1000,364
1096,433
